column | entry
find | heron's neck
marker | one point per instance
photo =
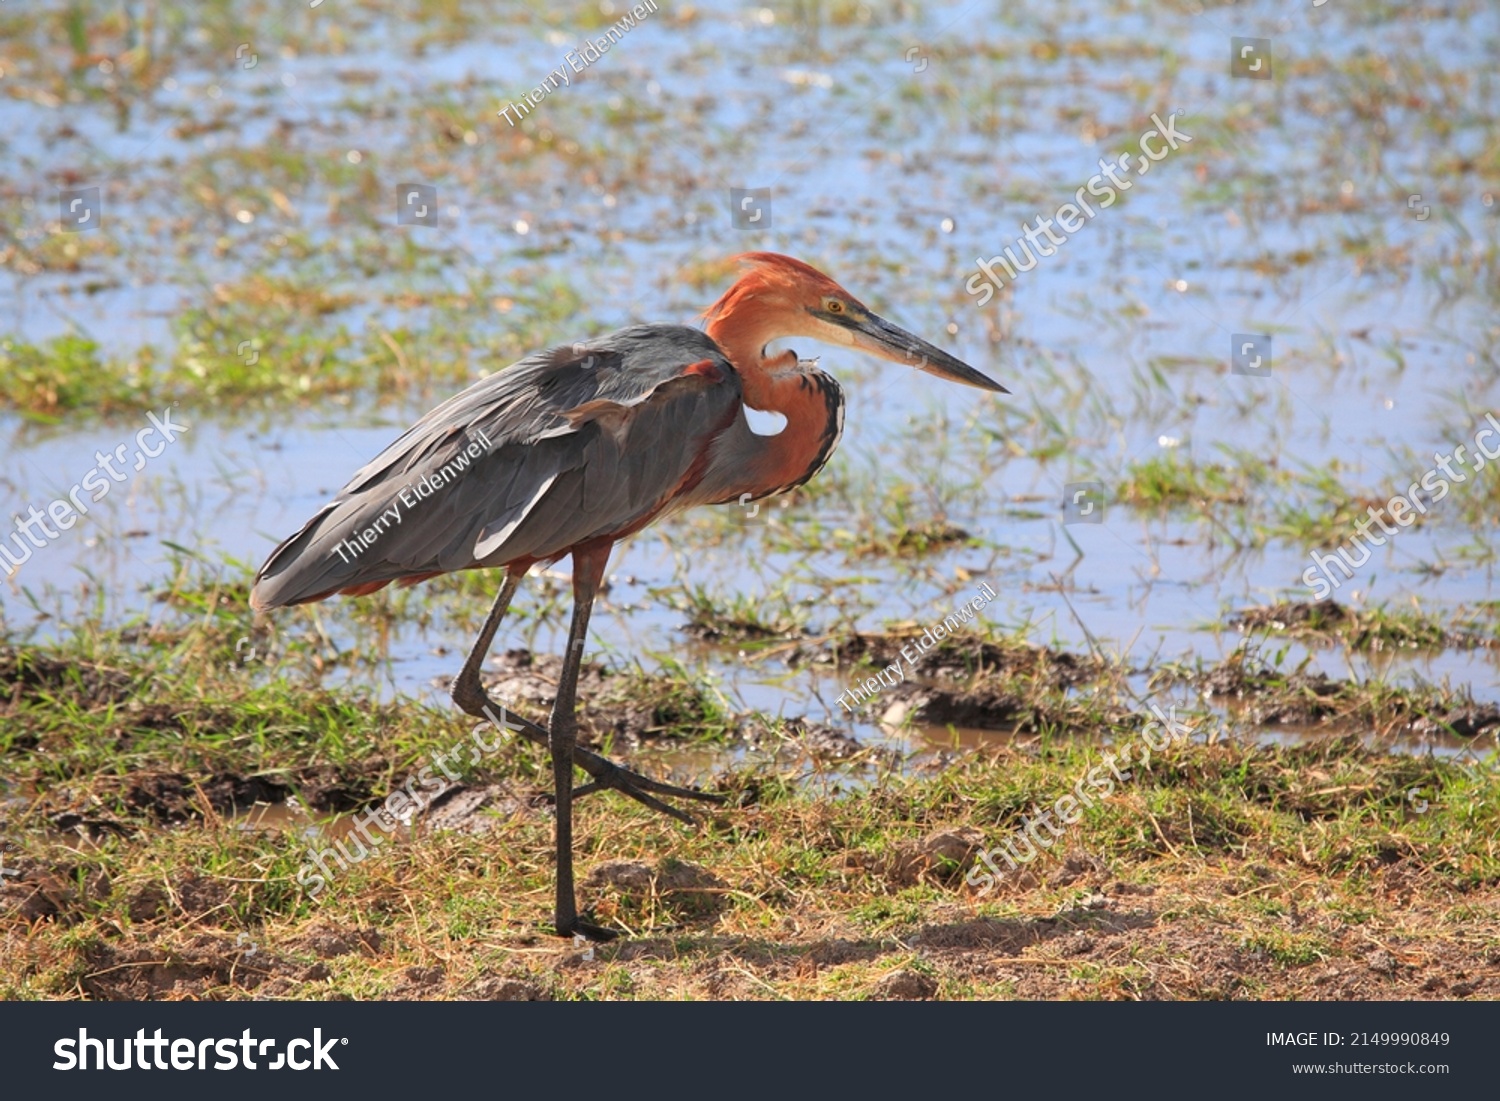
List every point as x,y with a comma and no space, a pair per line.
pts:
768,382
809,399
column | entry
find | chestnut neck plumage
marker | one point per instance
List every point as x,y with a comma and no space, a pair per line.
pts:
742,323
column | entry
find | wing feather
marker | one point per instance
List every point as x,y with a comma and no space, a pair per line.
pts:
584,441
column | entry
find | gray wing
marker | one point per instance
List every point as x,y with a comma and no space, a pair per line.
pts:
581,442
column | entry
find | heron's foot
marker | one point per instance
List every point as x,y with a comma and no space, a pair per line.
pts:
470,695
608,776
597,934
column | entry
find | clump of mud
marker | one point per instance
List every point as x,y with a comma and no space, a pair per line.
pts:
924,538
32,675
685,890
957,657
981,709
1326,621
1270,696
730,628
174,797
817,740
968,681
1318,615
477,809
1009,706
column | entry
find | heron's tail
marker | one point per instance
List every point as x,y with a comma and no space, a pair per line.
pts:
333,553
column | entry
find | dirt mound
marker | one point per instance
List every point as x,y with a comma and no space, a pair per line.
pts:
206,966
632,887
1270,696
955,657
1313,616
34,675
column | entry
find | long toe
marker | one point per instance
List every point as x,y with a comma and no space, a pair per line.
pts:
596,933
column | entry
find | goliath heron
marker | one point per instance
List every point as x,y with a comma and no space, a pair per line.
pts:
573,449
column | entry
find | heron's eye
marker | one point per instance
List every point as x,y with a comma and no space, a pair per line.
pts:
834,306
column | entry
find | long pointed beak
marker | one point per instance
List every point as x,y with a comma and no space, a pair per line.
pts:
879,337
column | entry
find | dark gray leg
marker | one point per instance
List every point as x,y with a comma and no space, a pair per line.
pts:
469,693
588,571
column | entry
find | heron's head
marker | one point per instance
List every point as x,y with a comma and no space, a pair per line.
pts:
778,296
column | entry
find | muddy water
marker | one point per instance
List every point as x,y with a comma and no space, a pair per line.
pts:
1288,214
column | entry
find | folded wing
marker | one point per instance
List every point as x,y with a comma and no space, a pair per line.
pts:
582,442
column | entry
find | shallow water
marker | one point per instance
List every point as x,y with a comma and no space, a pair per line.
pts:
1289,213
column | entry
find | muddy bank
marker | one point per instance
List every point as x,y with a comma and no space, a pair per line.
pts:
1322,869
1375,629
958,657
1266,697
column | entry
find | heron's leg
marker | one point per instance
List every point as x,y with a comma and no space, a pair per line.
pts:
588,570
468,692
